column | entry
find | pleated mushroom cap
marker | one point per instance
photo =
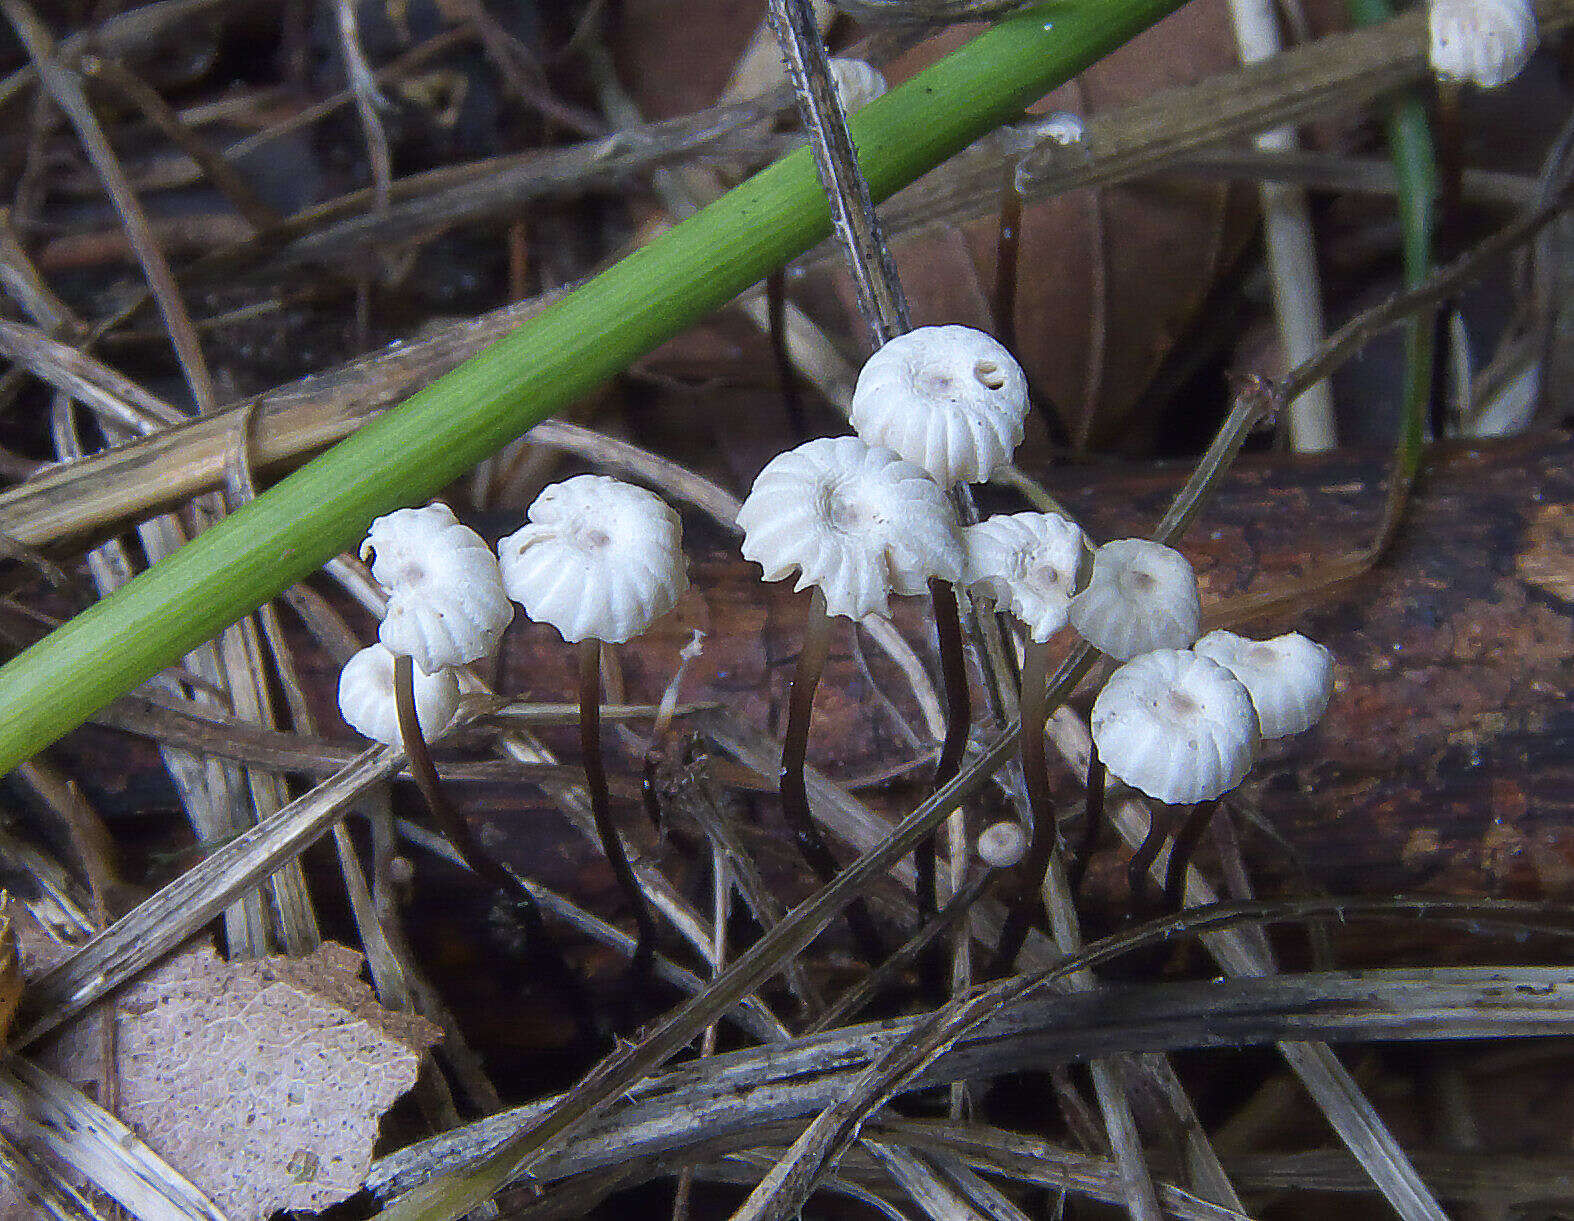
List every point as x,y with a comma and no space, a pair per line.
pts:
1485,42
366,697
1290,678
1141,596
948,398
598,560
446,605
854,520
1031,564
1176,726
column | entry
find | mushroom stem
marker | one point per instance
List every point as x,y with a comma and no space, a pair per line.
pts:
1008,244
959,716
539,943
601,802
1093,821
1147,852
1186,840
424,772
794,794
1035,712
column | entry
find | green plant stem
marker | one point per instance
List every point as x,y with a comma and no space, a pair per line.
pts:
430,439
1415,167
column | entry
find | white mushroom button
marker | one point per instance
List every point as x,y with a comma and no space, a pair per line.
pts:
857,82
853,520
446,605
1031,564
1176,726
598,560
948,398
1485,42
1141,596
366,697
1002,845
1290,678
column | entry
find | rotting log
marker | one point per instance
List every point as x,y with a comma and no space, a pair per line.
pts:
1446,761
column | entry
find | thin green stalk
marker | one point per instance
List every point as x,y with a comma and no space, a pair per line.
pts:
433,437
1415,166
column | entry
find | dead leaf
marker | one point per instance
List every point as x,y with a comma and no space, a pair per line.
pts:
263,1082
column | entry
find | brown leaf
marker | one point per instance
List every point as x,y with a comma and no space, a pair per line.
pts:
262,1082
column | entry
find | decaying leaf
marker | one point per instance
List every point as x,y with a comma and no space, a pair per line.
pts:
262,1082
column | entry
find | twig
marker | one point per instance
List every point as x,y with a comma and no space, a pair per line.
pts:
66,90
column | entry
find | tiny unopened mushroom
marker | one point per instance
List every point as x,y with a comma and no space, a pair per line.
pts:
948,398
857,524
1141,596
1002,844
1290,678
1031,564
599,560
446,605
857,82
1486,43
367,700
1180,728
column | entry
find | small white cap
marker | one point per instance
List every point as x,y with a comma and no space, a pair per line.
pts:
1290,678
1030,564
856,520
1141,596
1176,726
949,398
600,559
366,697
446,605
857,81
1485,42
1002,845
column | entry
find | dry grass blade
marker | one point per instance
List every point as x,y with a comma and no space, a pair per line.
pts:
99,1147
924,1186
33,1180
735,1095
165,920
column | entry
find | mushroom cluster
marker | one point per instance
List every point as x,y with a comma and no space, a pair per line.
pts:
597,559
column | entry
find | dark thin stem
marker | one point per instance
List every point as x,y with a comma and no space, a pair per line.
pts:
1186,840
959,718
601,802
1142,860
1035,772
540,946
786,378
1008,246
1094,821
795,796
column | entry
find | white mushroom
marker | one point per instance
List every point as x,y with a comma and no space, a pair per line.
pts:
854,520
366,697
1002,845
1141,596
1290,678
599,559
1179,727
857,82
1031,564
948,398
446,605
1485,42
